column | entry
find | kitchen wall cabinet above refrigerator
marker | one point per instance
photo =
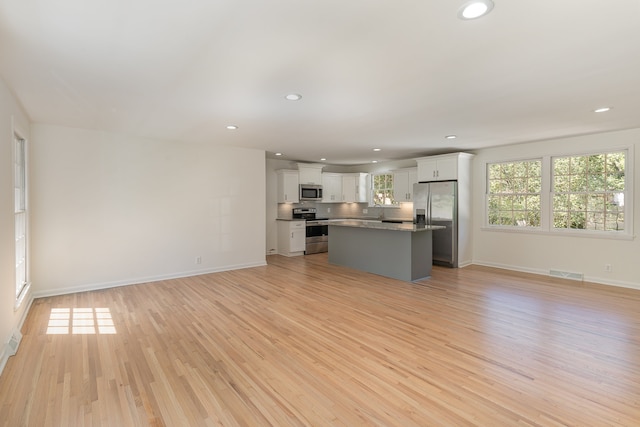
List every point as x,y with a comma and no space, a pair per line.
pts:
441,168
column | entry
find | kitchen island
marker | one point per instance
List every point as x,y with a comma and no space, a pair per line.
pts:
400,251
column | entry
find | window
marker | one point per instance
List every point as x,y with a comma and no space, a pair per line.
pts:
20,215
567,193
588,191
382,187
514,193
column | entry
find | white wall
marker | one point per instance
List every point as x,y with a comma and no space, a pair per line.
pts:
111,209
541,253
10,316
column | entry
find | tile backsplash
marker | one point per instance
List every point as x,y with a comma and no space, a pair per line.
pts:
349,210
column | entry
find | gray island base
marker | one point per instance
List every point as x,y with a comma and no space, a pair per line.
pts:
399,251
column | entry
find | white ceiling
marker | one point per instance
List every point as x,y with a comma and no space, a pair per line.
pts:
392,74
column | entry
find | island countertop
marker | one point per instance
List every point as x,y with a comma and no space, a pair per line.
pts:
379,225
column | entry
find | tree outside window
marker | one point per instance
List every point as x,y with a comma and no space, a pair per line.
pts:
588,191
382,187
514,193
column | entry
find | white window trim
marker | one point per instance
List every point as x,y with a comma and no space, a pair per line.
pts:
545,199
18,134
371,190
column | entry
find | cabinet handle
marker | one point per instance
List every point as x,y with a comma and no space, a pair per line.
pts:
292,235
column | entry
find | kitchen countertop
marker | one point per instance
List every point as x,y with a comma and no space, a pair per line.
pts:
373,219
379,225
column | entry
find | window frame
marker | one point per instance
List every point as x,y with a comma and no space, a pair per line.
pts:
571,193
20,168
372,190
488,194
546,199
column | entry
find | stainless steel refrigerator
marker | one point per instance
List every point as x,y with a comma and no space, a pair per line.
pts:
436,203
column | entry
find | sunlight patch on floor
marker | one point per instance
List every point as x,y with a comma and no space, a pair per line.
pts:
63,321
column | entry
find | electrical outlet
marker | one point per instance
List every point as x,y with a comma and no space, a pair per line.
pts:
608,268
328,210
198,260
364,211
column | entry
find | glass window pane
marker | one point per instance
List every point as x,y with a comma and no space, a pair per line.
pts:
511,186
577,220
534,185
586,181
561,166
578,183
614,222
560,219
578,202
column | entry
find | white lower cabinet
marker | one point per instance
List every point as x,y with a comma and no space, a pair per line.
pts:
291,237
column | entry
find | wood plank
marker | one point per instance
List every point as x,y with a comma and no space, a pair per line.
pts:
300,342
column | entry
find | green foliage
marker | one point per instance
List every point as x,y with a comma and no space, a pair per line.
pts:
383,189
514,193
589,191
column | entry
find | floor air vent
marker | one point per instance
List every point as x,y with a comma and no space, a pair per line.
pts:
14,342
566,275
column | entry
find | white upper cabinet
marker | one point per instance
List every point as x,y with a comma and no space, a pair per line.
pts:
310,173
439,168
331,187
344,187
403,180
354,187
288,186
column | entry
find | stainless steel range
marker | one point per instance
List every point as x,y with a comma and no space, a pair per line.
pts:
317,230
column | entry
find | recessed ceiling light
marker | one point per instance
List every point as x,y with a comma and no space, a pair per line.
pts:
278,154
451,137
232,127
377,149
322,159
293,97
475,9
602,110
374,161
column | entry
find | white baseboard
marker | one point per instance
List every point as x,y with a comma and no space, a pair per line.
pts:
139,280
590,279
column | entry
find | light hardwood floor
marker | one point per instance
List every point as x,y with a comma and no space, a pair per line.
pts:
303,343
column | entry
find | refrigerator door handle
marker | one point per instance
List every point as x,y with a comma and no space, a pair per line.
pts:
429,206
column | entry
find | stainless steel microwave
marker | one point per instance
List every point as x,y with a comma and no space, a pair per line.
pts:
310,192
